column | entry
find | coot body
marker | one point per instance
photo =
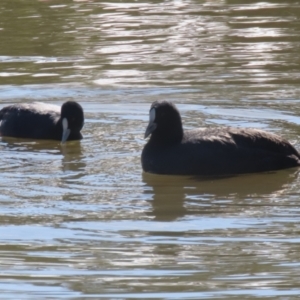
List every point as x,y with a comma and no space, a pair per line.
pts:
42,121
210,151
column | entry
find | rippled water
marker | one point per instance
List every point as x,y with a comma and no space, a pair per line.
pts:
83,221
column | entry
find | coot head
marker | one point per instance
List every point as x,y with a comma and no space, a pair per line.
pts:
72,119
165,124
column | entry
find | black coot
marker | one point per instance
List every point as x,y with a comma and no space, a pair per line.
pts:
42,121
210,151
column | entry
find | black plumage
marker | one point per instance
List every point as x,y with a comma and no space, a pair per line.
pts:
42,121
210,151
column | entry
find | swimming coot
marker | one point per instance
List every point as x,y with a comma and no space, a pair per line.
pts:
210,151
42,121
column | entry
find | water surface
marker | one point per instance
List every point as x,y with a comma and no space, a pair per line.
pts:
83,221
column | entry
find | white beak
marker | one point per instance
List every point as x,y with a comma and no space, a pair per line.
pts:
66,131
151,126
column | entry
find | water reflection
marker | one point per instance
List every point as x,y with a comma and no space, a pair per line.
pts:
50,146
71,152
74,169
175,197
168,196
72,157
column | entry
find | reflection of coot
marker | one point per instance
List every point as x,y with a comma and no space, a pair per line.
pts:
42,121
72,155
172,195
73,159
168,196
210,151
